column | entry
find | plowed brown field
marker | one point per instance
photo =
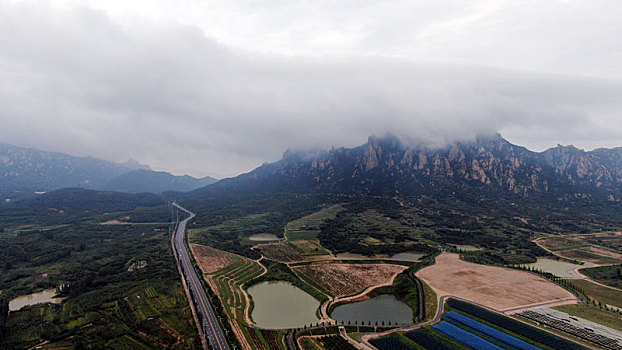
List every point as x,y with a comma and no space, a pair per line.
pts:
495,287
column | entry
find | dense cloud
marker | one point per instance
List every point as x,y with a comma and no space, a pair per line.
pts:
77,80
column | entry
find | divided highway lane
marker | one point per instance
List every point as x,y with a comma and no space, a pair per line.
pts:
211,327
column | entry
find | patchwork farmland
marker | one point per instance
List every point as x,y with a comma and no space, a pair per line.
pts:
281,252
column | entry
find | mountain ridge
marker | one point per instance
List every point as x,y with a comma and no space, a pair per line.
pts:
31,170
388,166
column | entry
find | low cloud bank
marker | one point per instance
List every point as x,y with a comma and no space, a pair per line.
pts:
77,81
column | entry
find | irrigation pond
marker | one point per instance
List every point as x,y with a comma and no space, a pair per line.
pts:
278,304
383,308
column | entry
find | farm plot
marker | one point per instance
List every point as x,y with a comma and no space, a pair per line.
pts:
611,240
308,227
609,296
228,284
210,259
308,343
495,287
596,248
390,342
281,252
608,275
348,279
560,243
303,232
593,314
589,255
606,253
590,331
335,342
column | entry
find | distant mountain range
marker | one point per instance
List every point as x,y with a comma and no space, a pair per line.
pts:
388,167
29,170
143,180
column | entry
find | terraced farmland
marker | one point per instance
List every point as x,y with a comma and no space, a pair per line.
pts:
228,283
348,279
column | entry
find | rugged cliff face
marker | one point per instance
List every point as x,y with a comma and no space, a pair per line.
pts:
387,166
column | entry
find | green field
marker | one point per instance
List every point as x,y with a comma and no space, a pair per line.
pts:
308,227
602,294
609,275
592,314
303,232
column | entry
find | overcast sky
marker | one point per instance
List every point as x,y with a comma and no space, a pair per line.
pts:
218,87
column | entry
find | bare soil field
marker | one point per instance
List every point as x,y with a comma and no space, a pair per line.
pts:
495,287
349,279
115,222
210,259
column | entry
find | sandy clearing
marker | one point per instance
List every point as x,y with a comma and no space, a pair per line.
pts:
495,287
115,222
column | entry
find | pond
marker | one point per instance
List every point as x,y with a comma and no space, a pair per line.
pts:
466,247
558,268
385,307
263,237
46,296
408,256
279,304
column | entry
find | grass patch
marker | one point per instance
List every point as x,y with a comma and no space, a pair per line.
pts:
430,301
609,275
602,294
592,314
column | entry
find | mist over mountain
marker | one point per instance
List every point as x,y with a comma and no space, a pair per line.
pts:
27,170
32,169
387,166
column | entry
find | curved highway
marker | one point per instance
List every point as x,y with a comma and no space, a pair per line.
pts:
207,316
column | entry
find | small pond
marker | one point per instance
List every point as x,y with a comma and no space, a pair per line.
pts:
466,247
263,237
46,296
278,304
408,256
385,307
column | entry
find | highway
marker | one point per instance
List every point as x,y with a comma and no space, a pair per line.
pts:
206,315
